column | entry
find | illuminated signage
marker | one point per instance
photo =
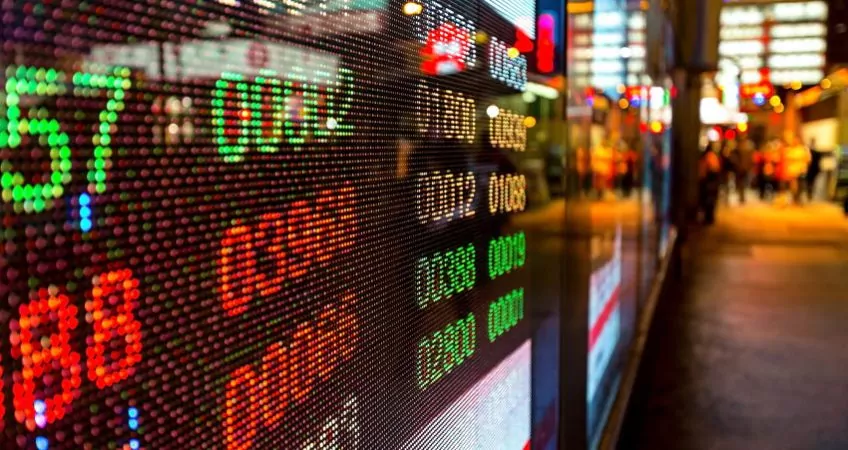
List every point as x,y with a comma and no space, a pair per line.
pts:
444,350
521,13
548,41
508,69
445,113
508,131
604,317
443,274
218,221
787,37
494,413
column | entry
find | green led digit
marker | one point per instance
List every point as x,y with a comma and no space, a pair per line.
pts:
445,350
444,274
506,253
505,313
15,124
247,115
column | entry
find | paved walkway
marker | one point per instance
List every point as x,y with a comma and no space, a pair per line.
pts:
751,350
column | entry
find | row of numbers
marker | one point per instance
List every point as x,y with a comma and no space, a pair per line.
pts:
444,196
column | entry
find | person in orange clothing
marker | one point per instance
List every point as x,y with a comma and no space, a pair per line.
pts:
796,161
602,162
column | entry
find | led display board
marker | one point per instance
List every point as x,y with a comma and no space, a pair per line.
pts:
258,224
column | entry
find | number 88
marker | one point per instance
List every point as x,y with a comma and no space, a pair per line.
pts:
50,375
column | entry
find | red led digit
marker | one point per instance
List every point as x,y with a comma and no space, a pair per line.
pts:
276,373
289,372
270,237
304,233
241,416
49,378
337,208
239,278
115,346
338,335
319,230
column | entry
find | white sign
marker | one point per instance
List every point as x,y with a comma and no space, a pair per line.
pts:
604,318
203,59
493,415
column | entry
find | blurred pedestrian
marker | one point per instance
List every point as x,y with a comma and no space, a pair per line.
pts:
766,162
602,164
709,174
626,168
813,171
741,160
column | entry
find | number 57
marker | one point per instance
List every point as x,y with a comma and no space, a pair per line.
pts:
23,127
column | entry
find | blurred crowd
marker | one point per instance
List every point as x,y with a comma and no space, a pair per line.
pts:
782,171
610,168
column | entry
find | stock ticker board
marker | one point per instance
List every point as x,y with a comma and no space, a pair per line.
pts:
262,224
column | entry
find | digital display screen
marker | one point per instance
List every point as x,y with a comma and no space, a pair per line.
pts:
259,224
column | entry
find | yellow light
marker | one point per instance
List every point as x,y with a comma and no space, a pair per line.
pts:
623,103
580,8
412,8
796,85
774,100
656,126
742,127
481,37
529,121
513,53
778,109
826,84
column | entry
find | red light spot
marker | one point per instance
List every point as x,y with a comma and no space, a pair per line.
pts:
546,52
523,42
730,135
445,51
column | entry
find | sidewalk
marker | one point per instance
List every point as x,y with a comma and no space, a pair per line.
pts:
751,351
